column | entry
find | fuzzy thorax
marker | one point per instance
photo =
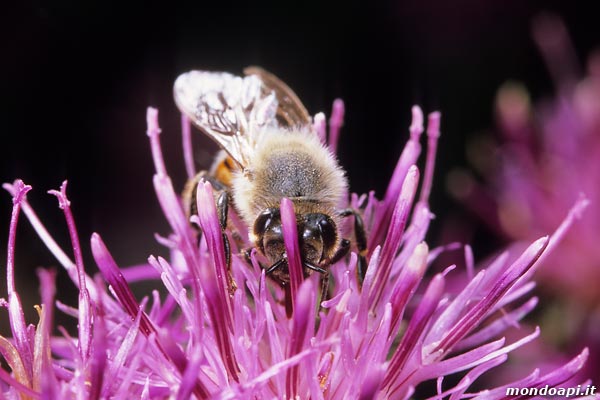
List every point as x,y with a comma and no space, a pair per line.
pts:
292,164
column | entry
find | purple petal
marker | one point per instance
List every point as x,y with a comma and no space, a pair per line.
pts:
189,378
336,121
153,133
505,282
565,372
408,158
303,324
214,279
433,134
43,373
140,272
209,222
372,351
454,310
49,241
475,373
65,205
290,237
415,328
471,358
114,277
178,292
18,326
42,370
498,326
12,382
112,274
553,378
85,308
409,278
13,359
99,356
371,384
277,352
573,215
186,140
394,235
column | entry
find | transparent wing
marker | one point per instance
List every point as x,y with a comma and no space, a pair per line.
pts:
290,111
229,109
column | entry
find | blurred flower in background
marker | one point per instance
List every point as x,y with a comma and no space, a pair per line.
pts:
546,157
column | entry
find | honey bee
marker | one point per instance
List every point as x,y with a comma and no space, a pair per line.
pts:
270,150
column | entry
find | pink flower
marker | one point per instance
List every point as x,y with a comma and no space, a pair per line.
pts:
547,159
379,339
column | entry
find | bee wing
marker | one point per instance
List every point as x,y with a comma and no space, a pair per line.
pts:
290,111
229,109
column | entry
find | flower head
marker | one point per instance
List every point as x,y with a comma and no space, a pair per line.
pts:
547,160
225,333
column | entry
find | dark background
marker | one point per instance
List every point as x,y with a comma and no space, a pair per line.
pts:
76,78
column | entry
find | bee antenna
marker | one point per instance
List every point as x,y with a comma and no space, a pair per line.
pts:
314,267
275,266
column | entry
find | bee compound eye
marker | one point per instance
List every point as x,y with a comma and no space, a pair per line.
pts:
264,220
328,231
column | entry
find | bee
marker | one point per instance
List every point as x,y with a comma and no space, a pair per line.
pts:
270,150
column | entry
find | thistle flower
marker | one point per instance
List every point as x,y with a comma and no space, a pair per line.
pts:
547,157
379,339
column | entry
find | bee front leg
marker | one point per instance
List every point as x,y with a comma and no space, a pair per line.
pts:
361,240
341,252
324,287
222,201
222,211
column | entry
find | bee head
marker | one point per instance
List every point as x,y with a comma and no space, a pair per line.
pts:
318,237
317,234
268,232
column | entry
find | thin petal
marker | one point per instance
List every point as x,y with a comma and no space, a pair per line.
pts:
394,235
433,134
415,328
479,311
214,279
336,121
409,157
15,310
292,249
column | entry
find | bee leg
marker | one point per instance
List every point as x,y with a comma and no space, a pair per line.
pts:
247,253
191,208
324,277
288,295
341,252
324,287
361,240
222,210
289,309
285,285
